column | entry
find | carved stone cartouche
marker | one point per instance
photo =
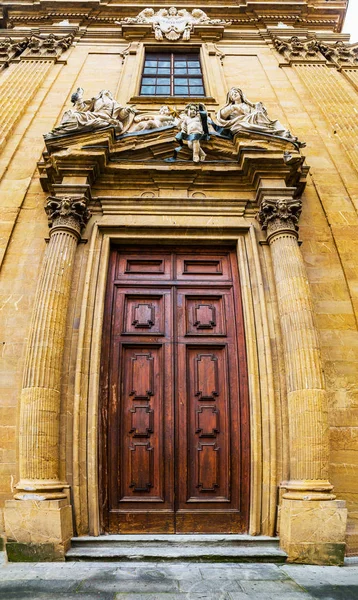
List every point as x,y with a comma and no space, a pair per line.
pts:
172,23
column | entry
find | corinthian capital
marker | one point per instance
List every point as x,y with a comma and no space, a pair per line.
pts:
67,211
279,214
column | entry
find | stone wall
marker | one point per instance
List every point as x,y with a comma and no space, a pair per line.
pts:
328,226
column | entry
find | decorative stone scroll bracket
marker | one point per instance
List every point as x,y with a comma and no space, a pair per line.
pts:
40,512
313,522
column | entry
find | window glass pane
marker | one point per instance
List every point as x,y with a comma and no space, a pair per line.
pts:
163,81
149,80
181,81
196,91
181,90
163,89
149,71
194,63
162,71
164,63
195,71
180,62
194,81
150,63
148,90
180,71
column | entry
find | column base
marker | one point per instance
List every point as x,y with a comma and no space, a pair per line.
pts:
38,531
313,531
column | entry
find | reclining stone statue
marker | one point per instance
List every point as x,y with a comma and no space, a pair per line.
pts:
239,115
98,112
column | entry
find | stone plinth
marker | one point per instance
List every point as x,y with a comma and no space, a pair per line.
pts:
38,531
313,532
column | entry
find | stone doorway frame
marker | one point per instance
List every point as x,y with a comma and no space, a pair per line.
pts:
263,415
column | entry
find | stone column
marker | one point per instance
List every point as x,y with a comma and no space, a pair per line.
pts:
39,520
313,523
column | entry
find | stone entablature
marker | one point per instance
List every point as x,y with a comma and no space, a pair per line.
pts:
317,14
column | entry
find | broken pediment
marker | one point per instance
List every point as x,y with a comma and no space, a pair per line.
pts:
155,158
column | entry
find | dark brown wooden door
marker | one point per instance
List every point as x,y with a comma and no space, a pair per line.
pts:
174,407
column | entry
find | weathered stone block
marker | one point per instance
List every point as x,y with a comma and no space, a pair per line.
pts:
37,529
313,532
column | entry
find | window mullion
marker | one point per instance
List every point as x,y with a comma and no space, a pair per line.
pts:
172,74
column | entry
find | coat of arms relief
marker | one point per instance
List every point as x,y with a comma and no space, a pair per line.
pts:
172,23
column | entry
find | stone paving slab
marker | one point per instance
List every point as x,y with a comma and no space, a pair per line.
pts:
176,581
243,572
273,590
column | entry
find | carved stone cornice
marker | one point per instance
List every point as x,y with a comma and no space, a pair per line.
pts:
279,215
67,212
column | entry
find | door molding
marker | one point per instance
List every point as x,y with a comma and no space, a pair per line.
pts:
267,410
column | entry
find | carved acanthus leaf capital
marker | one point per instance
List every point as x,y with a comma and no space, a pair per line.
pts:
299,49
48,46
277,214
10,48
68,211
340,53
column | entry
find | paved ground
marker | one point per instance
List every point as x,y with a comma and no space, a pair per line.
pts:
176,581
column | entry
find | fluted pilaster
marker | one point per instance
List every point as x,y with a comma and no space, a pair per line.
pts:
306,394
40,398
312,523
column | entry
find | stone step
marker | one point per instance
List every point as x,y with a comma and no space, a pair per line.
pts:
191,548
176,540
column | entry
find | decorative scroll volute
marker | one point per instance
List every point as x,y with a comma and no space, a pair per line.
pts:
279,214
67,211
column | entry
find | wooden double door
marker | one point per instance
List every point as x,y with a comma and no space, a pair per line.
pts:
174,409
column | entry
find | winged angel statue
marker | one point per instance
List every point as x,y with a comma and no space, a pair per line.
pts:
171,22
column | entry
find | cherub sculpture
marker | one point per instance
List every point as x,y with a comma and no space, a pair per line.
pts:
163,118
193,125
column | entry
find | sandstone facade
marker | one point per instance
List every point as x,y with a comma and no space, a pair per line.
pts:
298,267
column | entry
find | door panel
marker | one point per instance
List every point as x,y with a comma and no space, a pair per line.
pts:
175,450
